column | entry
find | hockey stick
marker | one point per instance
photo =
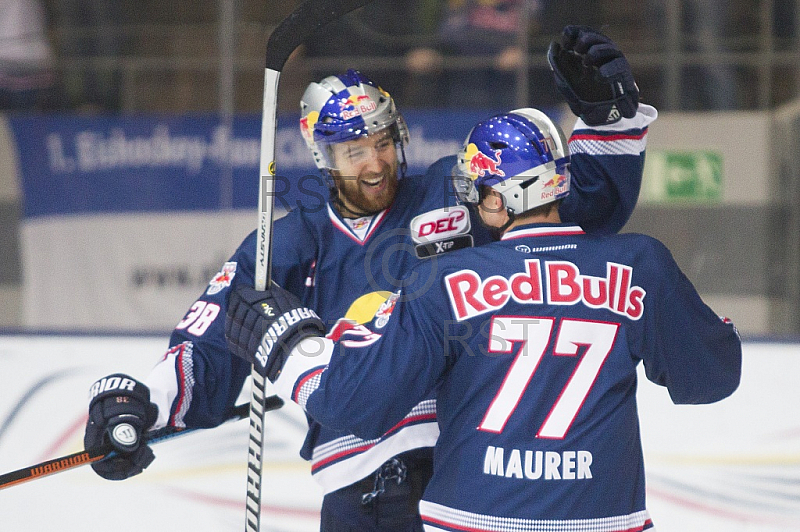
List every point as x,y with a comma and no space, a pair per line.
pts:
290,33
71,461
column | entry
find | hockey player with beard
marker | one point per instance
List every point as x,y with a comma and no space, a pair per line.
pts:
345,261
530,343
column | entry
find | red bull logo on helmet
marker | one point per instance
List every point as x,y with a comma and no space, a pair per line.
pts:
307,124
557,180
356,105
481,164
555,187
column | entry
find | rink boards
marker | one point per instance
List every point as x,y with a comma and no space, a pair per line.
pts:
732,466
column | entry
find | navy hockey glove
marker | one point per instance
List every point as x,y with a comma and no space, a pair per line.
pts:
263,327
593,75
119,411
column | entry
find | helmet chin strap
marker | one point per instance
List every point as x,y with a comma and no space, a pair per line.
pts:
498,232
403,164
495,232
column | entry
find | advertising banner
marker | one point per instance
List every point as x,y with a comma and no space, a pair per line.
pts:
127,218
80,165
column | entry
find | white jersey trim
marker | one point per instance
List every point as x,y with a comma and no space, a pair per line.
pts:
163,384
360,465
543,231
297,365
450,518
645,115
626,137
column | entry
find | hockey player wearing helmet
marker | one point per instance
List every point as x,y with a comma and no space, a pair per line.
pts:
345,262
357,137
531,343
530,166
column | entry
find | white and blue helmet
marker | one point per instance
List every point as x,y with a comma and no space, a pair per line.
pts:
344,108
522,154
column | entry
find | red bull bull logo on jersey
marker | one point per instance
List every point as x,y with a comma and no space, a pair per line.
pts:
222,279
385,311
356,105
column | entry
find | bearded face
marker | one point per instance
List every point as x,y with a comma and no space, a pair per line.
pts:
366,173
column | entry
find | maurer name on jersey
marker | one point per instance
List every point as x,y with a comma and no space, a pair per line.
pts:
561,284
537,465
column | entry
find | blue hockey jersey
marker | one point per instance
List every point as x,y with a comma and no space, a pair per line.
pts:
532,345
347,270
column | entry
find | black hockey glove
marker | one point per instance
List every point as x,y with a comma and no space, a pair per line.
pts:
119,411
593,75
263,327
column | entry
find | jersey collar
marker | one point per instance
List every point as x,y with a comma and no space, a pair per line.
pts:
533,230
360,237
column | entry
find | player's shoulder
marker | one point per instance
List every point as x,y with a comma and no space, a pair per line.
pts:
244,258
442,167
302,220
299,232
248,242
434,186
637,248
640,240
452,261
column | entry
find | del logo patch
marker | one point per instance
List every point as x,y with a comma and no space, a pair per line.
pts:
440,224
222,279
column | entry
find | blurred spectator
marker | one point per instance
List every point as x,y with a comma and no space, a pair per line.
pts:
712,85
27,81
716,86
382,28
477,29
91,33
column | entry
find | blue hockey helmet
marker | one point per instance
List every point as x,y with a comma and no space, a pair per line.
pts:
344,108
522,154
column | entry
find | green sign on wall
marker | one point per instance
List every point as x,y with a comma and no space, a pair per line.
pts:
682,176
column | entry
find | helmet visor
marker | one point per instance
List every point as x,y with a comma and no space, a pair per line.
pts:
464,187
359,150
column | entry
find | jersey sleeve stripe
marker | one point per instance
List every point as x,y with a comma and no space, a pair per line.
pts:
316,466
299,371
306,385
609,137
616,144
626,137
184,366
424,412
351,467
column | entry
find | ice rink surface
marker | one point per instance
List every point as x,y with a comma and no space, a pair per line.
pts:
730,467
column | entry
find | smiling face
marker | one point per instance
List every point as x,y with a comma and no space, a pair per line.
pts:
365,173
